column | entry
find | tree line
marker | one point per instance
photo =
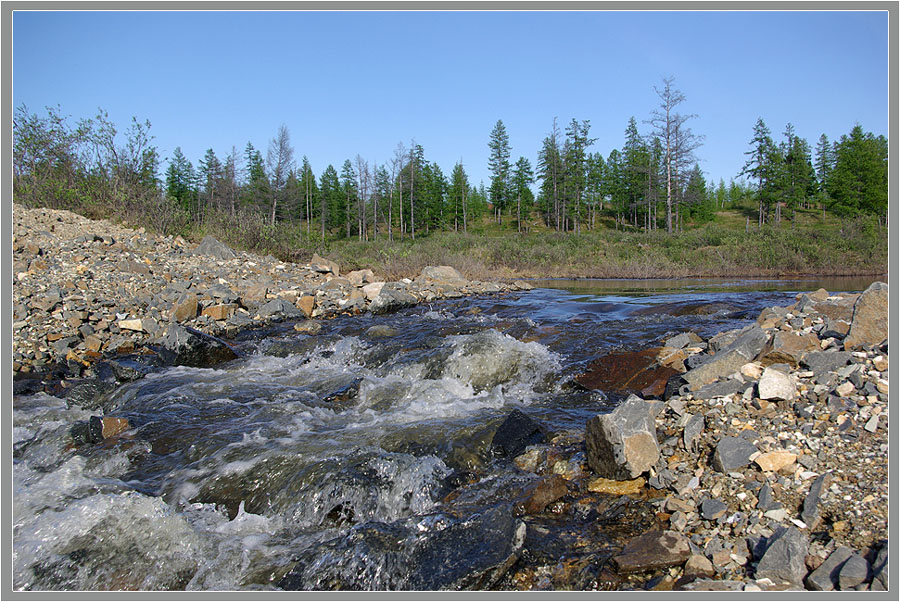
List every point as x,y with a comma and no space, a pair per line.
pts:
653,182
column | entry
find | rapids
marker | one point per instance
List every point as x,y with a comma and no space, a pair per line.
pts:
356,458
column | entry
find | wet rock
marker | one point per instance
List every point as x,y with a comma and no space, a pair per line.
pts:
855,571
544,492
653,550
514,434
732,453
626,372
87,432
382,330
622,445
213,248
869,325
194,348
825,577
277,308
609,486
88,394
389,300
785,557
308,327
112,426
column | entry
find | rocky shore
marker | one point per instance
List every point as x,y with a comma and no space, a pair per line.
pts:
85,291
764,451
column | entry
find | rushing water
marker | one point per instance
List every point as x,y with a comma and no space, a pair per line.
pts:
355,458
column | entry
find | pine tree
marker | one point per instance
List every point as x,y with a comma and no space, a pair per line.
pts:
457,194
859,182
498,164
760,166
522,178
549,171
181,182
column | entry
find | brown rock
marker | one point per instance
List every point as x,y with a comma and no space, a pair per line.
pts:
220,312
653,550
306,303
628,372
698,566
113,426
788,348
185,309
93,343
545,492
869,325
360,277
323,266
255,294
632,487
775,461
134,324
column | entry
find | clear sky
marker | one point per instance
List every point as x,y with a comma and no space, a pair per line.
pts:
348,83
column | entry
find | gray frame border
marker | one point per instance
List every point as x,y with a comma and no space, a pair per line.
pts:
6,33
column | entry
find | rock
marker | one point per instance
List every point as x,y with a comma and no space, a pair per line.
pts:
732,453
185,309
775,461
785,557
825,577
788,347
442,275
134,324
653,550
514,434
682,340
389,300
255,294
609,486
869,325
360,277
743,349
711,509
194,348
113,426
382,330
372,290
324,266
722,388
212,247
279,308
308,327
90,431
765,501
880,570
774,384
306,303
543,493
823,362
855,571
89,393
622,445
693,428
222,311
626,372
698,566
810,514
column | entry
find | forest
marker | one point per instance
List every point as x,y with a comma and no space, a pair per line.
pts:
275,202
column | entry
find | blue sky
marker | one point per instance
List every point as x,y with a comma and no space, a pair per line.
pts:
348,83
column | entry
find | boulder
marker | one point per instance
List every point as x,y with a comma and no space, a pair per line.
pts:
389,300
372,290
742,349
213,248
624,372
825,577
442,275
622,445
193,348
869,325
823,362
360,277
880,570
184,309
514,434
279,308
324,266
685,339
785,557
652,551
855,571
788,348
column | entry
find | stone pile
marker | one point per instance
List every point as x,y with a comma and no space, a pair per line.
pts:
85,289
765,459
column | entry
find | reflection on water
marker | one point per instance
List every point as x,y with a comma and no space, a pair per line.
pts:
652,286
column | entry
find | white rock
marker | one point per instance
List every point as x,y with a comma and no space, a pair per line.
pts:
776,385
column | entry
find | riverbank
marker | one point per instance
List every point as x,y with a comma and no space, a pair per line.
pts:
85,290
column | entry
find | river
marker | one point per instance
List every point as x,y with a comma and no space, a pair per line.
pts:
356,458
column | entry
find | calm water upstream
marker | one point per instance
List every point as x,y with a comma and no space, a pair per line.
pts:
357,458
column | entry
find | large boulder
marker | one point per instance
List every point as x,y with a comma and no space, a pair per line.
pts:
191,347
389,299
213,248
442,275
622,445
625,372
743,349
324,266
775,384
869,325
788,348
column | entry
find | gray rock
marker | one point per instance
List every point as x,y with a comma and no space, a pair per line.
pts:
870,318
711,509
719,389
442,275
810,514
212,247
765,500
682,340
785,557
622,445
825,578
391,300
279,308
693,428
194,348
880,570
744,348
732,453
855,571
514,434
822,362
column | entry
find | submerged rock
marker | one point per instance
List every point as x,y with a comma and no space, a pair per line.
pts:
517,432
626,372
